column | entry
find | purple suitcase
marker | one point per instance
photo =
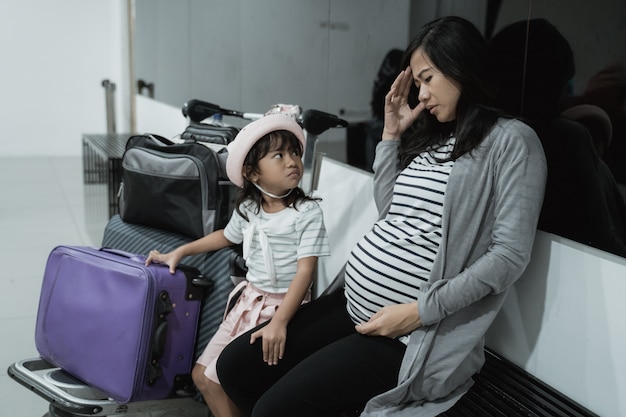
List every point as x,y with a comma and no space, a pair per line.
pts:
124,328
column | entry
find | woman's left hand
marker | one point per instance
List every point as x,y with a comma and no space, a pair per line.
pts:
392,321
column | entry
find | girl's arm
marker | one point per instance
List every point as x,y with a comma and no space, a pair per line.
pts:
274,335
211,242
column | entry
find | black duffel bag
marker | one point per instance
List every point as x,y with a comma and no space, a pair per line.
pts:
180,187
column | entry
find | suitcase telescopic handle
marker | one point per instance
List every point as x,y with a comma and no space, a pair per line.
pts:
197,278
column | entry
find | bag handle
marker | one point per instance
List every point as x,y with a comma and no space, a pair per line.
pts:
159,139
195,279
120,252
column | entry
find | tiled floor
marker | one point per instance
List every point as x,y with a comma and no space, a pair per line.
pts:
42,205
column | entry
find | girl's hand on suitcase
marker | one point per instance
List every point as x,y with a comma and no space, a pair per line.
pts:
170,259
273,338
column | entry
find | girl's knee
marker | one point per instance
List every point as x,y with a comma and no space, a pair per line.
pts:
198,377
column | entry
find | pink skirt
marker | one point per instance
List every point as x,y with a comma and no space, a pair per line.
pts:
253,307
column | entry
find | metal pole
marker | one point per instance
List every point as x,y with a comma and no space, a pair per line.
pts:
109,90
131,64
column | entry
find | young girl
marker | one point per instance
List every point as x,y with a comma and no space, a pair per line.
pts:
283,234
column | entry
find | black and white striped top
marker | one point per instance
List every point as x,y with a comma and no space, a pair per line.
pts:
390,263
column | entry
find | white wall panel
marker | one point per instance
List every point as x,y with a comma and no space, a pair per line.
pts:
564,323
54,58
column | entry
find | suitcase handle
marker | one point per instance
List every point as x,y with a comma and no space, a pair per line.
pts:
194,276
120,252
141,259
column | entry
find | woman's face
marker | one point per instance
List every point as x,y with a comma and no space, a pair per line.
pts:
439,93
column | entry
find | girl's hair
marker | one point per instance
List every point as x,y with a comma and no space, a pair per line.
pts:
276,140
458,51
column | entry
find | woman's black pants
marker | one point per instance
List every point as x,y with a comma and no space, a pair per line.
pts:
328,368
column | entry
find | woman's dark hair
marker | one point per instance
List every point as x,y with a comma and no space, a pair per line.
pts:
458,50
276,140
387,73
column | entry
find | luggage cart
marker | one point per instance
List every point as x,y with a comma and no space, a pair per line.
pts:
70,397
314,123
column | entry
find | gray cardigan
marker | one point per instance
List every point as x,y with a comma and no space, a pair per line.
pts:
490,212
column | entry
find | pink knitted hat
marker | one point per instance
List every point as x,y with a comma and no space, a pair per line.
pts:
249,135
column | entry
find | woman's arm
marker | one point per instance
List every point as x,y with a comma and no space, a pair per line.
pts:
386,170
490,233
399,116
515,196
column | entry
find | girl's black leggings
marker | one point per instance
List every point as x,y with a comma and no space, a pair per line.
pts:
328,368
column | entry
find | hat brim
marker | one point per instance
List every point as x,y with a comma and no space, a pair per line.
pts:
250,134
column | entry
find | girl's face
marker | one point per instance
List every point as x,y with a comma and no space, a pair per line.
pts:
439,93
280,169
